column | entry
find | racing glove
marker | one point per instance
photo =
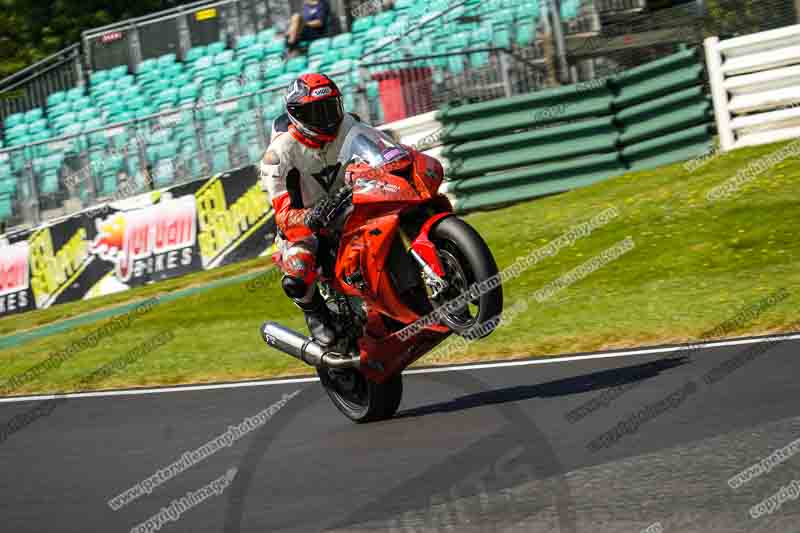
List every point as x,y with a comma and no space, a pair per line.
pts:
327,209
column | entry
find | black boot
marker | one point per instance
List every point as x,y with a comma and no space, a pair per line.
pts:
318,319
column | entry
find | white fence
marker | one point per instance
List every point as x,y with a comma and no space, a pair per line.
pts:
755,84
423,132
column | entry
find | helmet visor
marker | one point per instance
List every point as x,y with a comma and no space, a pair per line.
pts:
323,116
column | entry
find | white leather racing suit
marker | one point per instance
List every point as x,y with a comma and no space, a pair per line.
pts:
296,174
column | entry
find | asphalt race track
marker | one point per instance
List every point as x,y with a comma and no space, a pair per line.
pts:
495,448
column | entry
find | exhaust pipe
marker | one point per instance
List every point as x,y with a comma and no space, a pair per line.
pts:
303,348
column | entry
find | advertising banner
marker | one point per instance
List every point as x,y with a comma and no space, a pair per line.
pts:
114,247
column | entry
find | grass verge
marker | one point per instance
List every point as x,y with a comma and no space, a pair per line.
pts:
695,265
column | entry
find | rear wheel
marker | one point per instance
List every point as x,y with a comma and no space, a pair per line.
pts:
360,399
467,261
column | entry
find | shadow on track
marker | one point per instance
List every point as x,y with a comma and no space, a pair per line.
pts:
562,387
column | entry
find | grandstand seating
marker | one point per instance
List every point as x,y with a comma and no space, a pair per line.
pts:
212,73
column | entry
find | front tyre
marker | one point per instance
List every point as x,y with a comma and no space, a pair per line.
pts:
467,261
360,399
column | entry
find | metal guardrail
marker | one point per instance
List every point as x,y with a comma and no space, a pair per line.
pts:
428,82
173,31
67,174
29,88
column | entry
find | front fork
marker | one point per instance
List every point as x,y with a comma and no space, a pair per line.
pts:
423,250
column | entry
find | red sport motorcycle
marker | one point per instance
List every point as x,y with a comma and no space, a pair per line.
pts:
399,273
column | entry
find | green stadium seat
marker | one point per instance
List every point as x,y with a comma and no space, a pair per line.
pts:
297,64
224,57
34,114
384,19
124,82
524,35
376,33
343,40
17,132
251,73
73,129
136,103
158,86
99,76
164,174
254,54
88,114
331,56
354,51
246,41
131,92
188,93
202,64
6,210
166,60
117,106
56,98
232,69
276,47
105,99
124,116
362,24
146,111
172,71
231,89
146,66
195,53
146,76
319,46
274,72
221,161
79,104
213,125
266,35
455,64
181,80
169,150
93,124
109,184
251,87
118,72
37,125
215,48
49,184
75,93
502,39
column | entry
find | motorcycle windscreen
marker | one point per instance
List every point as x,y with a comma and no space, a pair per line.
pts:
367,145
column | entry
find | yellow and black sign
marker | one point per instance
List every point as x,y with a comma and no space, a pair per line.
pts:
206,14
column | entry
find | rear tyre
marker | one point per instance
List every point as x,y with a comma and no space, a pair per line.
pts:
467,260
360,399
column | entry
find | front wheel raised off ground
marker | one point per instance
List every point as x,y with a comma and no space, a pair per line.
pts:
467,261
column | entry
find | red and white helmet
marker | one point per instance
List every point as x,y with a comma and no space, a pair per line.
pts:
314,106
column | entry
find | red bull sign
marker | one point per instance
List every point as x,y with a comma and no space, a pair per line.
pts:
14,278
152,240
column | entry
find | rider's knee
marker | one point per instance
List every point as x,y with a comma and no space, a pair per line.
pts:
294,287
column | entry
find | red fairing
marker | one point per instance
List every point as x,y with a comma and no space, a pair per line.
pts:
425,247
380,197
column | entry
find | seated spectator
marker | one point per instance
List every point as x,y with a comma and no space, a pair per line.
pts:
311,25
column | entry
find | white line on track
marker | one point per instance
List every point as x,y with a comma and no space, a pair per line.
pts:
431,370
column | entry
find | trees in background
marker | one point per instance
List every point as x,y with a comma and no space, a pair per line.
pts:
31,30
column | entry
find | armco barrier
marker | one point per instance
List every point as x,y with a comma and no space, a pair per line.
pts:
754,80
658,105
114,247
515,149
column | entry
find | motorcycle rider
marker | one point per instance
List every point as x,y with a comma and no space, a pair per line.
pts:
300,172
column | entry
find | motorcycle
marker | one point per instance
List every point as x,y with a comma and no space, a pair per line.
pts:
399,273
